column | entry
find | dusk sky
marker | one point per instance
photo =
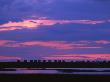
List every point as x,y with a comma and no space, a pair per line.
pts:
55,29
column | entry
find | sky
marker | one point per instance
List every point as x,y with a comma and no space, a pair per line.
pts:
55,29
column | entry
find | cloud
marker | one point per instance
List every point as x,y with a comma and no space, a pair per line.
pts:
34,24
9,58
50,44
103,42
57,44
5,42
9,28
76,57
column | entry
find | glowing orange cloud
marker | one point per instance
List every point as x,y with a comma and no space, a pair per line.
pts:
33,24
9,58
25,24
79,57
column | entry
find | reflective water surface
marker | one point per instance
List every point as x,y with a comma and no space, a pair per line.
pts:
80,71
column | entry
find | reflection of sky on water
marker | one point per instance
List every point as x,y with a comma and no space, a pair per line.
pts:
54,71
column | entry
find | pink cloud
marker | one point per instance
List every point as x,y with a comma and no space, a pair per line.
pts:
79,57
34,24
9,58
9,28
54,44
103,42
5,42
50,44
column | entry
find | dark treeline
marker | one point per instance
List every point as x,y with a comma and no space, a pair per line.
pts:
55,64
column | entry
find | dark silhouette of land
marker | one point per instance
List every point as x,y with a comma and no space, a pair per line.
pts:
55,64
54,77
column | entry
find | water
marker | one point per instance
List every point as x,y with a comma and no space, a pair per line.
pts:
96,71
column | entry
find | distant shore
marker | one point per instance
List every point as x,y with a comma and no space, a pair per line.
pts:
55,64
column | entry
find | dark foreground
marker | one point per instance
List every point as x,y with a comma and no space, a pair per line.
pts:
53,77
